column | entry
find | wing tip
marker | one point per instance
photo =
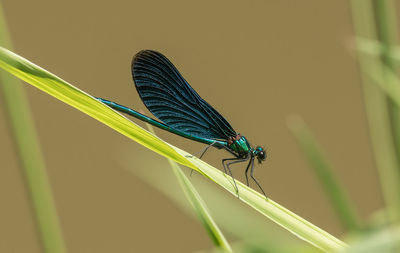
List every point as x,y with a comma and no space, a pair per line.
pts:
150,60
144,54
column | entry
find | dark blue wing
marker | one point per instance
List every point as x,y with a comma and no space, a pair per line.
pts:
171,99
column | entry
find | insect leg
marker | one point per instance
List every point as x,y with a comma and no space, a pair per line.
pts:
247,169
202,153
228,159
230,151
225,169
228,169
252,176
205,150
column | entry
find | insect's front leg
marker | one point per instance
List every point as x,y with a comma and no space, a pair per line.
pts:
252,176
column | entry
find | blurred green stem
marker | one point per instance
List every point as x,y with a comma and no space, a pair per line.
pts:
325,173
30,158
199,206
201,209
386,27
376,109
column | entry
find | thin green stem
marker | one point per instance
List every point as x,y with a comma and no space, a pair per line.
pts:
387,84
385,19
325,173
377,113
199,206
30,157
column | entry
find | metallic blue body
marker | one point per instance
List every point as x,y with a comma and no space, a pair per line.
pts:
181,111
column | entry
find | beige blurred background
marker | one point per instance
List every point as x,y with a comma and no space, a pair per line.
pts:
256,63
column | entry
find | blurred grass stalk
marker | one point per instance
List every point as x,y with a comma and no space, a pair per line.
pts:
323,169
386,26
380,117
30,158
198,206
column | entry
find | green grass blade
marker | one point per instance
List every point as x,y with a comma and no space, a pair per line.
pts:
376,109
71,95
386,27
389,85
201,209
198,206
325,173
30,157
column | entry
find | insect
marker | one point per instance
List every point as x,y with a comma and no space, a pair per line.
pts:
182,111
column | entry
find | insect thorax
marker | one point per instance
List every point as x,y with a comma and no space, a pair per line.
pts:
239,144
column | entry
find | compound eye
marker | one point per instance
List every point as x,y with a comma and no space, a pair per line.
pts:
263,155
